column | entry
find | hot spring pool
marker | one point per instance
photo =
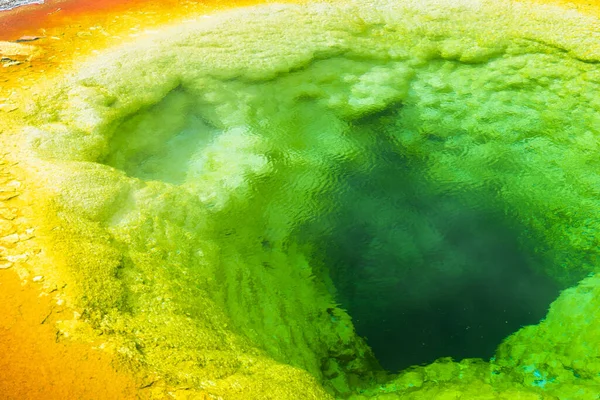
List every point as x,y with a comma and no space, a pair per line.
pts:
306,201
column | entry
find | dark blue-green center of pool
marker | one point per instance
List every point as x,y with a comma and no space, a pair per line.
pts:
424,270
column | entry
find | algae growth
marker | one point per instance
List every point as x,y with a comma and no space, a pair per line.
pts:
220,191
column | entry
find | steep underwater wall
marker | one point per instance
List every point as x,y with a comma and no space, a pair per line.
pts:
183,174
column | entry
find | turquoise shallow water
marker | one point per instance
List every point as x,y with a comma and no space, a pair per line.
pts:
355,189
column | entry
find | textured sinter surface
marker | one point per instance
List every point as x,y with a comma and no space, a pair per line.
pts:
46,369
8,4
200,184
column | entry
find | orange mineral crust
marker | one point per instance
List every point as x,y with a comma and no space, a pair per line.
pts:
35,365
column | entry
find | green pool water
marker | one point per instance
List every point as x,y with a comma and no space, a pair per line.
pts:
309,201
423,270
